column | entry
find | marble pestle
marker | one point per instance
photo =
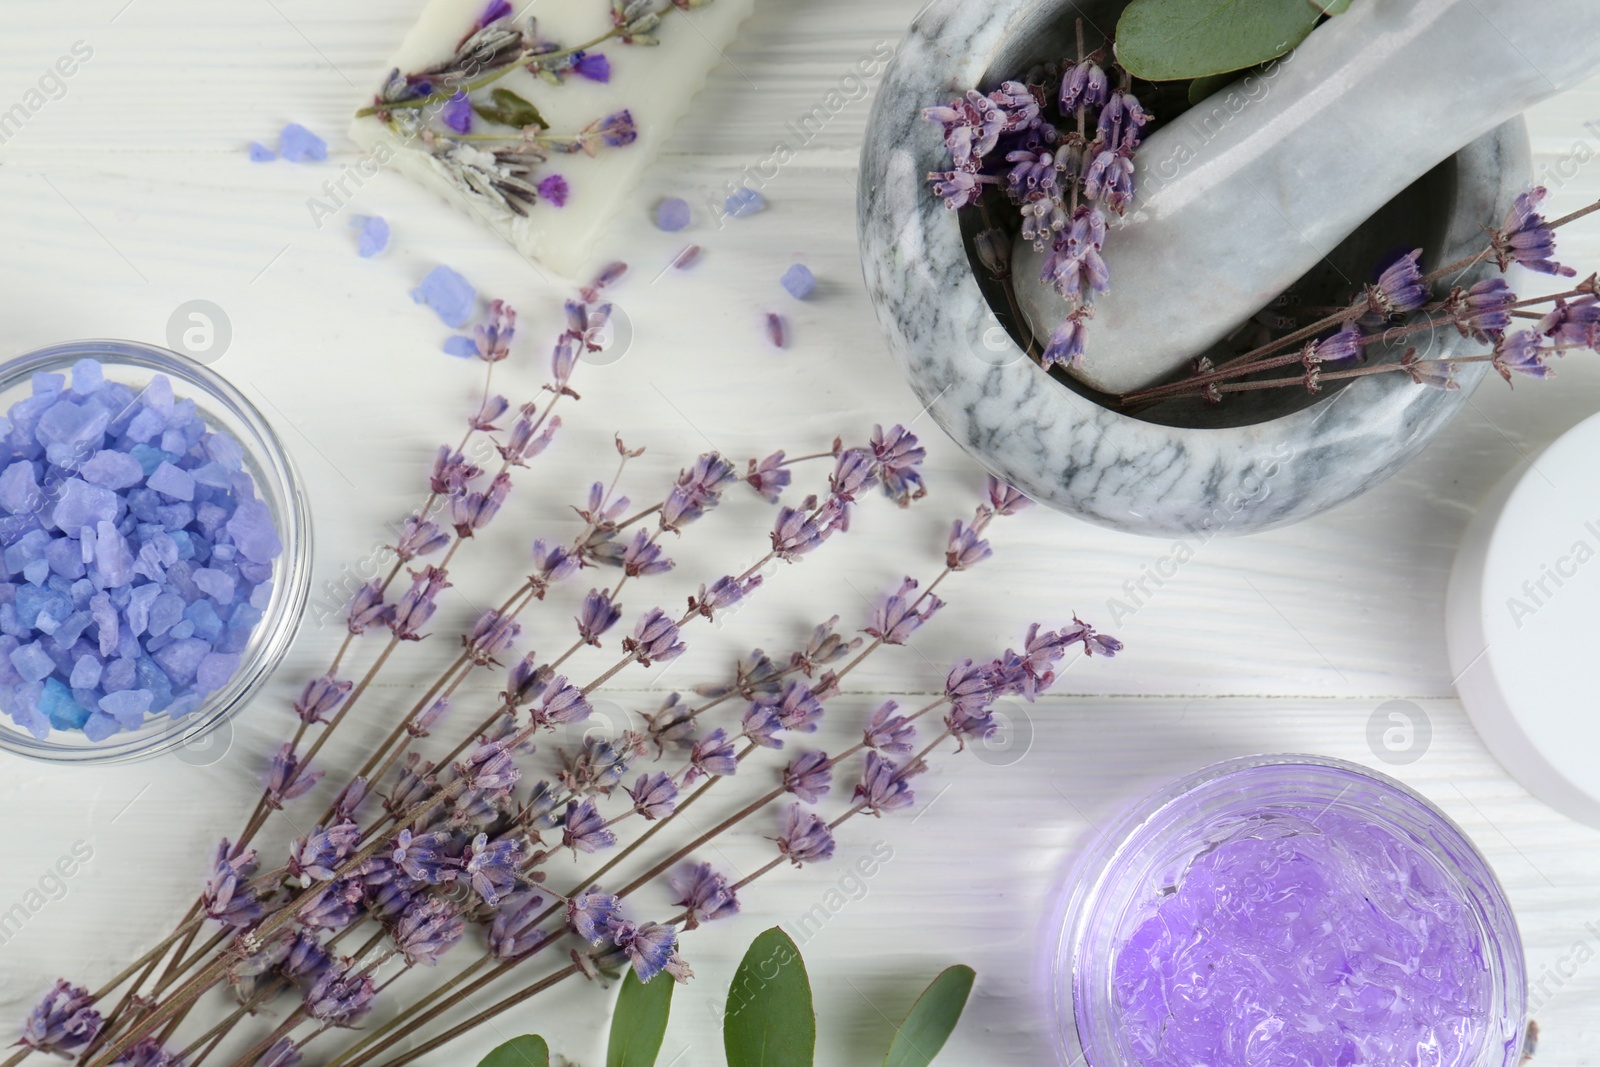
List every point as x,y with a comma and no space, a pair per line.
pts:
1238,198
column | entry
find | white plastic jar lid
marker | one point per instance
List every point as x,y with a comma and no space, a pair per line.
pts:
1523,623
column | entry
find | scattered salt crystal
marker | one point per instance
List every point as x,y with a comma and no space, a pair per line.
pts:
745,201
672,214
299,145
799,281
260,153
450,296
372,235
172,481
32,662
461,346
112,470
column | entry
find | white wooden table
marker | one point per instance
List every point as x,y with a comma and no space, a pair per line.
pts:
132,194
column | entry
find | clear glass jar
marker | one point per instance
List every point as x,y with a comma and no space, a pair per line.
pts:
226,410
1143,860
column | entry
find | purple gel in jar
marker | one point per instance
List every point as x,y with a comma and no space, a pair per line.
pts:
1290,910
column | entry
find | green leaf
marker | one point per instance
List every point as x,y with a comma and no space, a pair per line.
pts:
640,1023
1165,40
1201,88
509,109
524,1051
769,1020
931,1020
1333,7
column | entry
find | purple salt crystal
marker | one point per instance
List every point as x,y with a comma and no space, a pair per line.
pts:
219,585
86,672
128,707
172,481
252,531
215,669
19,488
373,235
744,201
32,662
799,281
299,145
672,214
450,296
260,153
80,504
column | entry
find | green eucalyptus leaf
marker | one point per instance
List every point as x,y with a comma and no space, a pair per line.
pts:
931,1020
509,109
640,1023
769,1021
1201,88
1333,7
525,1051
1166,40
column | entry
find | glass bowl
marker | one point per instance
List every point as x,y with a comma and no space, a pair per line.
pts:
1152,852
224,409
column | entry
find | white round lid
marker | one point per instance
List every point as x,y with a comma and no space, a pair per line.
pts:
1522,622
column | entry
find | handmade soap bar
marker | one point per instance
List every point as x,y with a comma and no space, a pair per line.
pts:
1306,937
598,108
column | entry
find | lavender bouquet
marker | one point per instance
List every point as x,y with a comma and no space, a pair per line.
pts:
459,850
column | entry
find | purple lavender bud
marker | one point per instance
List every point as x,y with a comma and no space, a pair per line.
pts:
592,914
655,639
333,907
1004,498
798,708
423,724
1067,341
490,768
451,472
1527,239
149,1052
1484,311
853,473
63,1021
538,812
367,608
1021,107
760,726
514,931
825,647
969,686
225,898
418,603
493,866
1120,121
551,564
316,856
899,455
809,776
1566,324
305,957
419,537
643,556
883,787
703,893
525,681
600,512
712,756
320,697
654,795
1083,85
1344,345
491,635
287,778
889,732
671,725
340,998
769,478
284,1052
424,857
705,479
414,783
649,946
799,531
483,420
900,615
525,441
965,548
1520,353
583,828
562,703
597,615
472,511
495,335
805,838
723,593
1399,289
1434,373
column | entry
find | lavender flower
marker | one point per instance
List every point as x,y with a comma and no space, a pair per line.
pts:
320,698
418,603
472,511
889,732
340,998
854,473
526,440
1094,643
1074,265
1110,181
333,907
899,455
591,915
760,726
970,687
148,1052
600,512
1520,353
427,930
494,336
562,703
899,615
704,893
419,537
424,857
490,768
491,635
972,127
287,778
514,931
1526,238
798,708
284,1052
483,420
538,812
226,897
597,615
451,472
1399,289
63,1022
413,782
722,594
809,776
423,724
1347,344
584,828
492,866
316,856
824,647
883,786
655,639
671,725
1120,121
304,957
640,557
1005,499
965,548
712,756
367,608
769,478
1067,341
1571,324
654,796
649,946
800,531
525,681
805,838
1083,85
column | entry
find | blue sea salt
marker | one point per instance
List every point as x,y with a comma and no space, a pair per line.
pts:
672,214
799,281
744,201
299,145
372,235
135,557
450,296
